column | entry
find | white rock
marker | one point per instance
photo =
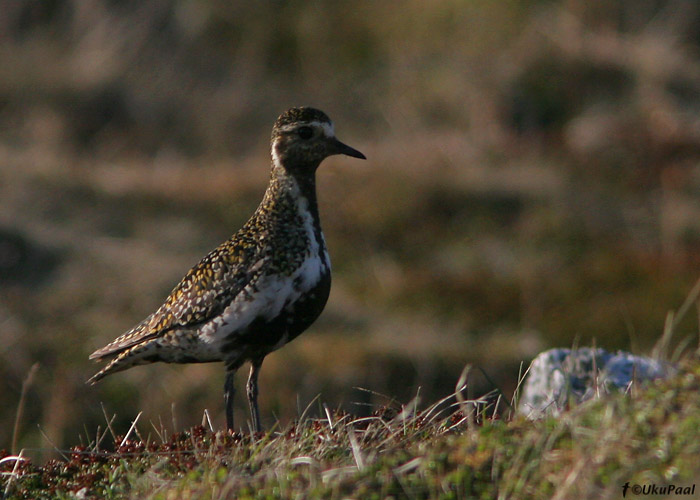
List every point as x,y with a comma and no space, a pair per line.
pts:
560,378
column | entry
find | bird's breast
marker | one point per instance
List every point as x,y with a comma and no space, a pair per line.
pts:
277,301
288,293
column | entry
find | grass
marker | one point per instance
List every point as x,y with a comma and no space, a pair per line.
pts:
644,437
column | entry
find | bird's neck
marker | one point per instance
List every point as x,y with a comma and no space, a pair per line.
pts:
286,187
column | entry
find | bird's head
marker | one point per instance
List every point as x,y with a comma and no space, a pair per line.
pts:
303,137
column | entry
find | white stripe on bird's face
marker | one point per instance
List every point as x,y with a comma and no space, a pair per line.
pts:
326,127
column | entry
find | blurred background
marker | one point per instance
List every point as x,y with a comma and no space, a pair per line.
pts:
533,180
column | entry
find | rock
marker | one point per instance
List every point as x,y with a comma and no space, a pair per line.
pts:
560,378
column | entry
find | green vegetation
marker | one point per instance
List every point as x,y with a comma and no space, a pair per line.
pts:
646,437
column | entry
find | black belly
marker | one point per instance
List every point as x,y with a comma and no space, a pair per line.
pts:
263,336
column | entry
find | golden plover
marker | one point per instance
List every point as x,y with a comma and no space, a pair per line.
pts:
258,290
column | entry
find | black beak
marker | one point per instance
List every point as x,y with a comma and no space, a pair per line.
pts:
344,149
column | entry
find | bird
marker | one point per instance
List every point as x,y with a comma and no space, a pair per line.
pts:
258,290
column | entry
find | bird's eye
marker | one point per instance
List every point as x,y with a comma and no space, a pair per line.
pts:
305,132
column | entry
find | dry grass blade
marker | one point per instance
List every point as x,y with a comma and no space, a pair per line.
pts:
521,380
673,319
12,475
691,299
20,406
432,413
131,429
464,406
660,350
302,417
356,451
409,466
409,411
328,416
207,420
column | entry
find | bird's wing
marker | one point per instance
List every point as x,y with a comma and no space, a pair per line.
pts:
204,292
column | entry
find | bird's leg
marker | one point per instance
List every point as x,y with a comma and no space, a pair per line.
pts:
228,398
252,393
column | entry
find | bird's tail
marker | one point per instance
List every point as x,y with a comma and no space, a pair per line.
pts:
139,354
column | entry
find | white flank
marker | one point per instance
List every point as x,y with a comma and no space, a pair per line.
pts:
267,296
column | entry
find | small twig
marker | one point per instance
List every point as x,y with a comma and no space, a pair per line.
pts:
158,433
55,448
163,434
144,441
99,438
109,422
